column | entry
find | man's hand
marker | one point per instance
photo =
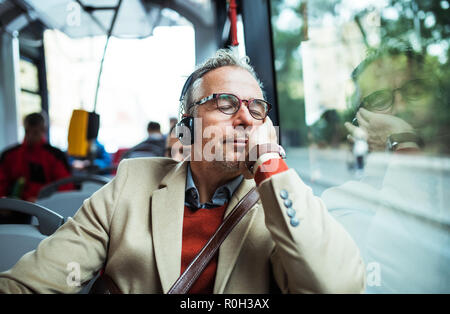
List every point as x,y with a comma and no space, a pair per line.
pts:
377,126
263,134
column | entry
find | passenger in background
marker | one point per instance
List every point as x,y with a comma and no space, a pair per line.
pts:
97,160
172,122
25,168
153,146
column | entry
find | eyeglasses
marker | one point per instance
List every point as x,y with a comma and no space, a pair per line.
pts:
230,104
383,99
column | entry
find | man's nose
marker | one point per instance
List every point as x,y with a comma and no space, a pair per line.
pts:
399,103
243,116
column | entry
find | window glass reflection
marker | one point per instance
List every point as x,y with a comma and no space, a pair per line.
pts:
364,98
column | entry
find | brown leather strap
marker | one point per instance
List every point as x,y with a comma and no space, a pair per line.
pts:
199,263
105,285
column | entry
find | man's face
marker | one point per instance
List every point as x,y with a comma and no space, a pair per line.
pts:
224,136
392,80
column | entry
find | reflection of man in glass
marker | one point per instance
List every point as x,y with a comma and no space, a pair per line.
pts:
399,215
395,97
400,102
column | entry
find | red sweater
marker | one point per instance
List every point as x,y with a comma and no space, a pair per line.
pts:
200,225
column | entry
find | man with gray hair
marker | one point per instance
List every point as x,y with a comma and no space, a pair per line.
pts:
146,226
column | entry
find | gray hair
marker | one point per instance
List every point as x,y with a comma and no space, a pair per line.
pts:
223,57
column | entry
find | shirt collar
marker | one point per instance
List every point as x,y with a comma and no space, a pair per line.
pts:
221,196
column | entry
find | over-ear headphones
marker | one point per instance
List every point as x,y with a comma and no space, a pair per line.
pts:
186,86
184,129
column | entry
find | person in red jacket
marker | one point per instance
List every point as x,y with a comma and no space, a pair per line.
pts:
25,168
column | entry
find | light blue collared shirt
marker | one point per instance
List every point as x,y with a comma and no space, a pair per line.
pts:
221,196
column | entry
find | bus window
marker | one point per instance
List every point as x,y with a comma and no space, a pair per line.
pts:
364,115
30,99
140,82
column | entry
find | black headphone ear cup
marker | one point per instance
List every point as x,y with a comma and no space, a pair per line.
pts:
184,130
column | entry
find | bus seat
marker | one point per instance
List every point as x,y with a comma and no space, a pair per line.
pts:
88,182
18,239
65,204
48,221
15,241
90,187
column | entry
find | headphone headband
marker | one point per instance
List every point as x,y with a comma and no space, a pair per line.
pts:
184,129
186,86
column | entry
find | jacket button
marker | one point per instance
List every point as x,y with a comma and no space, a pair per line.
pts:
287,203
284,194
295,222
290,212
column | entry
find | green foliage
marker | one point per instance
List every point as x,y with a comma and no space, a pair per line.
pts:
289,77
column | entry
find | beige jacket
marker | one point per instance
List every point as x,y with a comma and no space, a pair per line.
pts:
133,228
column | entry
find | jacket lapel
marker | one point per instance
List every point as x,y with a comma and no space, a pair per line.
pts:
231,247
167,224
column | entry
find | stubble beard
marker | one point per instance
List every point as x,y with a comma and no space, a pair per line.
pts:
228,166
231,166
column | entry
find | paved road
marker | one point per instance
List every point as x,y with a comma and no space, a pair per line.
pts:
325,168
320,169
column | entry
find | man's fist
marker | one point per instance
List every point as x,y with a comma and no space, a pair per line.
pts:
377,127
